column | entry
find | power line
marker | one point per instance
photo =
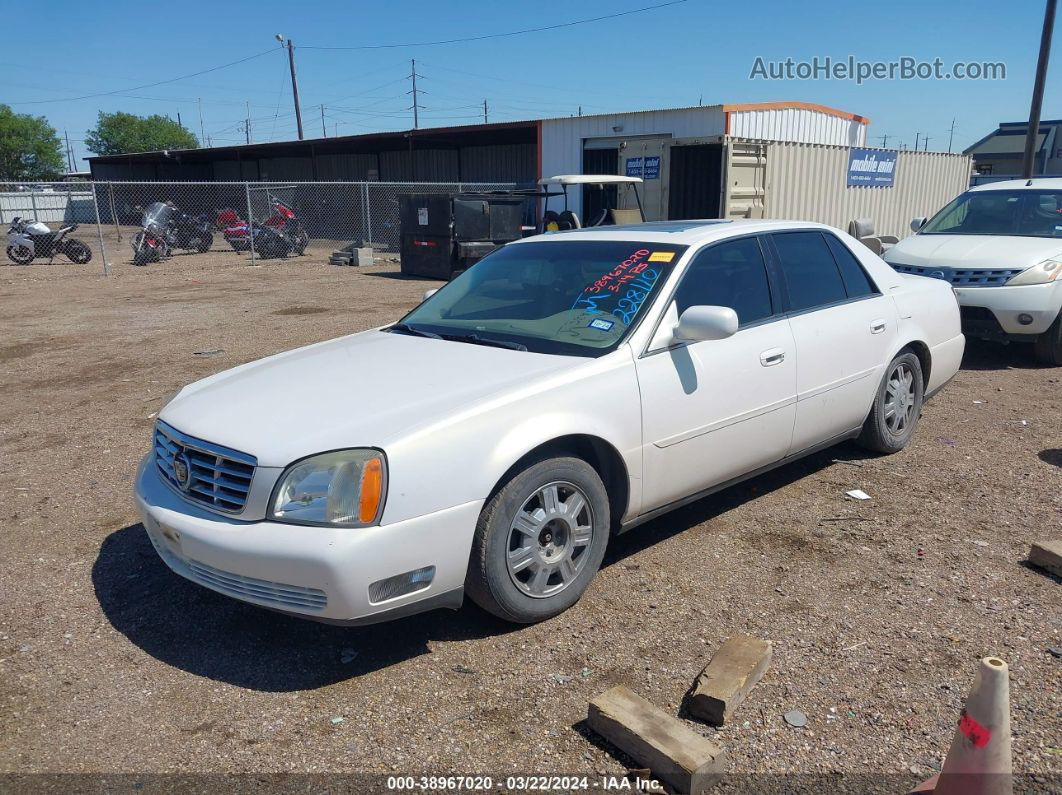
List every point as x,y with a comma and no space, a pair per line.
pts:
148,85
508,33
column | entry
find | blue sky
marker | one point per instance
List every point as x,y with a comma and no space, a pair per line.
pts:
671,56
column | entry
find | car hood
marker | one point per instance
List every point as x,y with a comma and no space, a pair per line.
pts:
973,251
358,391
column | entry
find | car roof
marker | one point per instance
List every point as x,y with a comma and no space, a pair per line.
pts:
1036,183
677,232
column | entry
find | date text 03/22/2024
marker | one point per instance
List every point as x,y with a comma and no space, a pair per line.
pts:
530,783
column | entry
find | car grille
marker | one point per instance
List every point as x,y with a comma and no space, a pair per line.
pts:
962,277
275,593
217,476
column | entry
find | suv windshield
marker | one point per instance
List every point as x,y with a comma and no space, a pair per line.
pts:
576,297
1025,213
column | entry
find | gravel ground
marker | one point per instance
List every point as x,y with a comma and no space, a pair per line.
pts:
109,663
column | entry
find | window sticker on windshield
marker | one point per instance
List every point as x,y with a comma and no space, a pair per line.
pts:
625,272
601,324
662,256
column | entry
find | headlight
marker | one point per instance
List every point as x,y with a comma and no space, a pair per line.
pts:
344,488
1046,271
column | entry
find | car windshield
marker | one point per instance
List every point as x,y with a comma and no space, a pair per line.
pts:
1024,213
577,297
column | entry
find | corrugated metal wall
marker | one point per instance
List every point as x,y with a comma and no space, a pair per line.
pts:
499,163
345,167
808,182
797,124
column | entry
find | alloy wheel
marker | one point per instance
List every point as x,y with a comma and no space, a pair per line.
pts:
899,399
549,539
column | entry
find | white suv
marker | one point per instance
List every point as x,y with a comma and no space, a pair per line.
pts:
1000,247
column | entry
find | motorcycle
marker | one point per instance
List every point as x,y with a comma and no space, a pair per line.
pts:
150,244
280,235
192,233
27,240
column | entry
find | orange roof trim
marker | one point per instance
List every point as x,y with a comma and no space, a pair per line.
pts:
797,106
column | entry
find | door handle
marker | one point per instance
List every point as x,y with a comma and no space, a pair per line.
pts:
877,326
772,357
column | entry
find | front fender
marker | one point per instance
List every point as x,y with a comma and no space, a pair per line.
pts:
462,458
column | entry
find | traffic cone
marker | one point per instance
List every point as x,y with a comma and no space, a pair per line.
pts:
979,761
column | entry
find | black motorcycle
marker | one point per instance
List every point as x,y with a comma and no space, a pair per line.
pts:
164,228
28,240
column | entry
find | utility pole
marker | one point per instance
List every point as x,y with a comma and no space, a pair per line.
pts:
69,153
1033,131
247,123
179,122
884,140
324,131
580,110
294,82
485,111
416,106
925,147
202,130
916,141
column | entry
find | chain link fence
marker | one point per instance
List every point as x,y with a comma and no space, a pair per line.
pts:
137,223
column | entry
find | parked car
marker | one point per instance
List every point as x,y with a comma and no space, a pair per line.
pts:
1000,246
565,388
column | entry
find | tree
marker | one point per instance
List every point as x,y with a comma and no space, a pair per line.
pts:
29,147
121,133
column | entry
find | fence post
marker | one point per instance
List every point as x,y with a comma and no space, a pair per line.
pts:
250,221
114,215
33,202
368,217
99,231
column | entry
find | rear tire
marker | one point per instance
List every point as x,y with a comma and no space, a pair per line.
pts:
897,406
1048,346
539,541
78,252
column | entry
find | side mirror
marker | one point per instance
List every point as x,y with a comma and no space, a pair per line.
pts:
429,293
918,223
702,323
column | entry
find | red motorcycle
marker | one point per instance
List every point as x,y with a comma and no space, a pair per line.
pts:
280,235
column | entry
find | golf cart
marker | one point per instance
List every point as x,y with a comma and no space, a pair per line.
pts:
610,213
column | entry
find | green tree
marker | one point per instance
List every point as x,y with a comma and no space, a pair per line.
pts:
121,133
29,147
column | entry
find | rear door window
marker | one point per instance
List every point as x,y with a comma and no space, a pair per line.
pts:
811,273
856,282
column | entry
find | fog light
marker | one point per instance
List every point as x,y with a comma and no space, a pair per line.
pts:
1025,320
401,584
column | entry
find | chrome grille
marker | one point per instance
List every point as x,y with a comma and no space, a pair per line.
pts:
276,593
217,476
962,277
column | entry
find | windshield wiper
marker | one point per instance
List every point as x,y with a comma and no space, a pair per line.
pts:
475,339
405,328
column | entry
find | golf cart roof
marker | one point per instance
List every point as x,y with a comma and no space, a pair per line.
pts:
588,179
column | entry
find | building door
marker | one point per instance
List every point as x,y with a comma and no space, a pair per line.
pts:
695,181
599,161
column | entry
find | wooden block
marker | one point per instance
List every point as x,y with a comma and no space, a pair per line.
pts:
733,671
676,754
1047,555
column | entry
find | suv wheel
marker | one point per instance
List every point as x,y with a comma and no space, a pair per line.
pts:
1048,345
539,541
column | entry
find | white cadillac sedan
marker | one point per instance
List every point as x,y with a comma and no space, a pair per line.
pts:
566,388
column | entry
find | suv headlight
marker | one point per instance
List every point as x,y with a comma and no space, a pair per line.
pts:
1046,271
344,488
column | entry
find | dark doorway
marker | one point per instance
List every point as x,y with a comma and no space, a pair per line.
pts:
595,199
695,181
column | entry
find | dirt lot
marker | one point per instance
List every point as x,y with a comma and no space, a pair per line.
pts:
110,663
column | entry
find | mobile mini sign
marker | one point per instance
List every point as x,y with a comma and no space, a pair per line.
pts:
873,168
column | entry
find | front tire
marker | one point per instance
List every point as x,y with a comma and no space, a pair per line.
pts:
539,541
20,255
897,406
1048,346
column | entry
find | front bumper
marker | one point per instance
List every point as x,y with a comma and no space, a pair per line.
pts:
315,572
994,311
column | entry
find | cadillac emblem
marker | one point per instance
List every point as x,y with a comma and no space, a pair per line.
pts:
182,471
